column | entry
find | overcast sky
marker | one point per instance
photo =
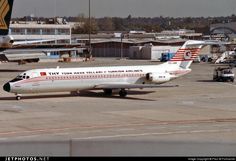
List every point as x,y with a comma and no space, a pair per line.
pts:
123,8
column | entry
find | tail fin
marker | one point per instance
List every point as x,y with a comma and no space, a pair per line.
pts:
187,53
5,15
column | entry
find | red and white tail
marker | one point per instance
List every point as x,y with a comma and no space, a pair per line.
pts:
187,53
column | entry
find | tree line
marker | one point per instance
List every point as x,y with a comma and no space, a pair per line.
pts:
156,24
129,23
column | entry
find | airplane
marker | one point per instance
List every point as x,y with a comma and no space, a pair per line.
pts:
106,78
25,55
7,42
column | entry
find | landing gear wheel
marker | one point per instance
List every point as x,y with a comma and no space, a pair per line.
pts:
123,93
18,98
108,92
74,93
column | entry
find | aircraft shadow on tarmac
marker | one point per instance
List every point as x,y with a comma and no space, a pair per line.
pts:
87,94
10,70
116,96
205,81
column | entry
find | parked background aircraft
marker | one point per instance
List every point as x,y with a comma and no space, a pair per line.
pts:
5,10
7,41
23,56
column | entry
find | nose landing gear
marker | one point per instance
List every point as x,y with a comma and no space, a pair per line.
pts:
18,97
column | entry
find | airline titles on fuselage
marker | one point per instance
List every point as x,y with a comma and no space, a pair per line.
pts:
94,72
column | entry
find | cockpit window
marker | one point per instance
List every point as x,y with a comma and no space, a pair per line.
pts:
20,77
16,80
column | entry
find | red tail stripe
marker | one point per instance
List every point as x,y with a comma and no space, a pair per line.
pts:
183,54
182,57
179,56
191,49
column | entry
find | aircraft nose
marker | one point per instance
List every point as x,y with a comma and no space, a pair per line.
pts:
7,87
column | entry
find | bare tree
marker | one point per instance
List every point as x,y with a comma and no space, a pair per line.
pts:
106,24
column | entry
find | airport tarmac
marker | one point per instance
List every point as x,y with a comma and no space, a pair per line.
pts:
198,111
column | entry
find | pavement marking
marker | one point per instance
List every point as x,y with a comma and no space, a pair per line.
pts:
127,129
92,131
196,126
188,103
93,128
122,135
35,136
187,126
156,128
150,134
221,125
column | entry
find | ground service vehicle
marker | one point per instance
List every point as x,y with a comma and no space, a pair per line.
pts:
223,74
167,56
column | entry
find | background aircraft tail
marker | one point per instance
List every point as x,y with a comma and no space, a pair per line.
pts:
187,53
5,15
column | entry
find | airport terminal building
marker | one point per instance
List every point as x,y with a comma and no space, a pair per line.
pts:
227,30
38,31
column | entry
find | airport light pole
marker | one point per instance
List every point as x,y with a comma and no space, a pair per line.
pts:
121,45
90,28
55,9
55,15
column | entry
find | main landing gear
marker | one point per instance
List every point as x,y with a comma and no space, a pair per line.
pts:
122,93
108,92
74,93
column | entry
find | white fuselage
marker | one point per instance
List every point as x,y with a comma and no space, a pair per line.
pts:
76,79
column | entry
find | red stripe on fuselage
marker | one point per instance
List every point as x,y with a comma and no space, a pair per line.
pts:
74,77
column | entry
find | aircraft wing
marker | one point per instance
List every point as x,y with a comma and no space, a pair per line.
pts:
59,49
22,54
45,50
31,42
207,42
131,86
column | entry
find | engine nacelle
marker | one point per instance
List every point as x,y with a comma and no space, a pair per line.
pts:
158,77
6,41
